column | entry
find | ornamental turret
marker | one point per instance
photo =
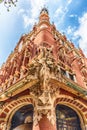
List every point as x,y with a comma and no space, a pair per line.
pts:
44,15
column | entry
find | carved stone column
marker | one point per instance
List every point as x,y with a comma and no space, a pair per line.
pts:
44,111
36,127
45,124
44,118
36,119
44,92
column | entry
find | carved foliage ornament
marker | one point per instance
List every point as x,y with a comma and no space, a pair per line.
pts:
45,106
3,125
44,68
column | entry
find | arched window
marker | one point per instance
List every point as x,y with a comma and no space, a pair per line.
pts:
23,118
67,118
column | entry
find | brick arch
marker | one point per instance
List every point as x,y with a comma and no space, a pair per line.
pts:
9,110
79,107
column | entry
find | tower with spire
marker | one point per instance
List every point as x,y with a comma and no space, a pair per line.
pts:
43,83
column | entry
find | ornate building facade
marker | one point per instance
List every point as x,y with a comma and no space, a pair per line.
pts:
43,84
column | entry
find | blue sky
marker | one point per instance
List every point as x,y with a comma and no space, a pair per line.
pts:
69,16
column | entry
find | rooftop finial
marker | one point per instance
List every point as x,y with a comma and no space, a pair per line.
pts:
44,15
44,10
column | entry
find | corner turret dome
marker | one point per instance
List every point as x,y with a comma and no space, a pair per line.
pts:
44,15
44,10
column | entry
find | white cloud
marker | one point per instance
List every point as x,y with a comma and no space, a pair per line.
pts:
36,6
69,30
21,11
82,33
7,27
71,34
60,14
59,11
30,15
7,22
72,15
79,35
62,10
28,21
69,1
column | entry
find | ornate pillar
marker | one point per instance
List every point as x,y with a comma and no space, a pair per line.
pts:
44,118
36,118
45,124
44,112
44,92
